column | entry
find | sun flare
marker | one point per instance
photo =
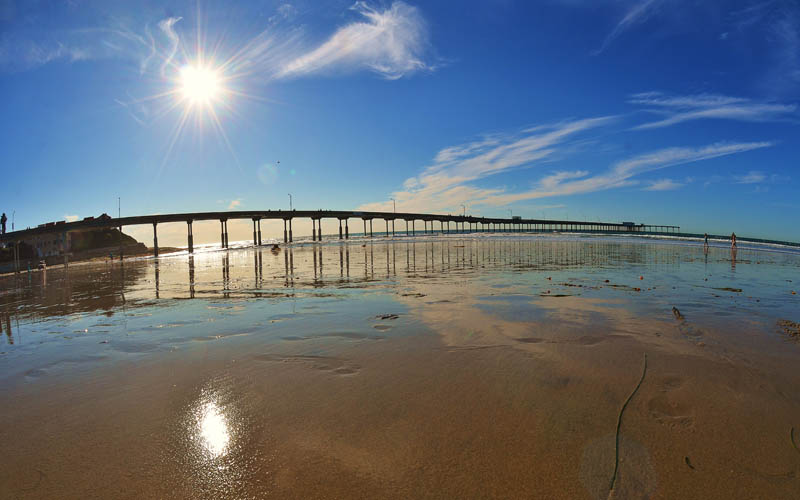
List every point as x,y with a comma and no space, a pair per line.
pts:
199,85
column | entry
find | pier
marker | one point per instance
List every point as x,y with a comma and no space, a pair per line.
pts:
446,224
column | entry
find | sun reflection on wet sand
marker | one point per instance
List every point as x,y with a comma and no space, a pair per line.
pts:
212,429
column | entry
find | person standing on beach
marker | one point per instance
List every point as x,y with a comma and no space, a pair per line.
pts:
733,240
706,237
3,221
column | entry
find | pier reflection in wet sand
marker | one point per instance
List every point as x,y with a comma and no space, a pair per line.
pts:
478,367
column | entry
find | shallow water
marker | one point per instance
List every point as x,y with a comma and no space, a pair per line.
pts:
486,366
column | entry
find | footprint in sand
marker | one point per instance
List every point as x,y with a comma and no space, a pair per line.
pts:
666,409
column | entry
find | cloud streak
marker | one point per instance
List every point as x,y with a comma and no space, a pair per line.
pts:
621,174
450,180
637,14
444,184
752,177
679,109
167,27
663,185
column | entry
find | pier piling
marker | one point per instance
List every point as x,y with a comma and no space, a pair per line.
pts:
155,240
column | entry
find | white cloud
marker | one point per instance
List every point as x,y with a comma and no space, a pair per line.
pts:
443,186
621,174
283,12
680,109
71,218
663,185
637,14
166,26
655,98
391,42
752,177
234,204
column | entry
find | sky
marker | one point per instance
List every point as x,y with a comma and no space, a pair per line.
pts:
680,112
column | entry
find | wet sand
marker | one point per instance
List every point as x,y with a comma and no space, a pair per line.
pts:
478,368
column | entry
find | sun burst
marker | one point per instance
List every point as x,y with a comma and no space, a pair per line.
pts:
199,85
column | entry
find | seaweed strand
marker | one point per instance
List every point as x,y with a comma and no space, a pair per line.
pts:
619,424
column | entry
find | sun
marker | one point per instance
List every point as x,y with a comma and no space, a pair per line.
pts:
199,85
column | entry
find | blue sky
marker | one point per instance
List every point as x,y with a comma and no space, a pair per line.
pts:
658,111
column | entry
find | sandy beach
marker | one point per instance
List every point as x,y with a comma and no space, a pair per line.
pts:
484,367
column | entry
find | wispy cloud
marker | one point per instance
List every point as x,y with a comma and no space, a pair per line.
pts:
784,32
751,14
391,43
622,173
71,218
679,109
444,184
663,185
637,14
234,204
751,177
453,178
167,27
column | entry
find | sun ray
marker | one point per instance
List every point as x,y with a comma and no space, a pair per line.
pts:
221,131
176,133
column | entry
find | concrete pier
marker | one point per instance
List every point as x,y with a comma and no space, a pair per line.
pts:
155,240
468,224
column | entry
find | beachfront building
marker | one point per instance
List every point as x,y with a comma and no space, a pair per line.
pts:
50,244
